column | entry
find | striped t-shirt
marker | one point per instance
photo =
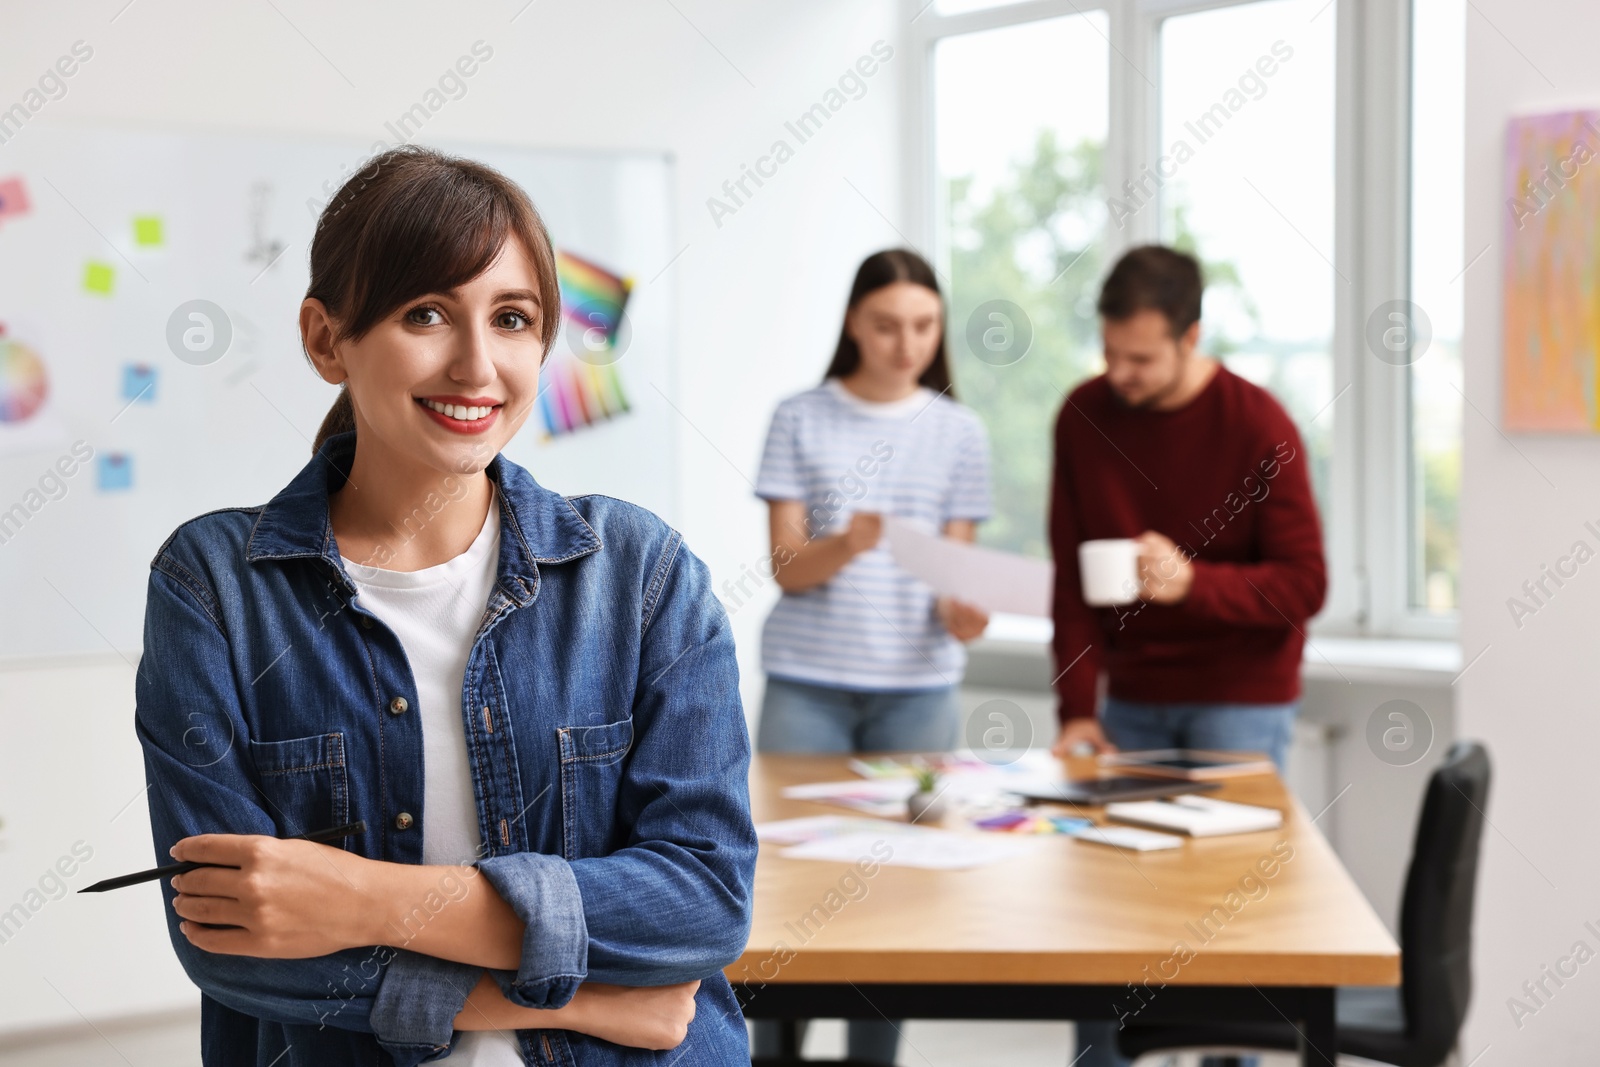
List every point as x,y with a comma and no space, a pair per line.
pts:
924,458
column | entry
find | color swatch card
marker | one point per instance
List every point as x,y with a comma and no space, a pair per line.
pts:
1024,821
592,296
580,386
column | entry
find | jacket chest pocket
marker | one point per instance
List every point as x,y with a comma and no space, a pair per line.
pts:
304,782
592,762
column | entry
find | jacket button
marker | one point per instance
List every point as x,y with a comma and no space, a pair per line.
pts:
398,706
366,622
403,821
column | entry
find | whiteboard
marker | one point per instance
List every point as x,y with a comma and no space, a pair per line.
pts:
235,216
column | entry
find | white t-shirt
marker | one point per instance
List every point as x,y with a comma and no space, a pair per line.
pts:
924,458
436,613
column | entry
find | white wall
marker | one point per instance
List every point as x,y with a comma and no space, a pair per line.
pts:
1532,696
760,296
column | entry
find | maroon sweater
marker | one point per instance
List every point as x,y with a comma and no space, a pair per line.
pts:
1227,478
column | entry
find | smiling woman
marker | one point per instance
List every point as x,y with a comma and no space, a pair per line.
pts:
501,697
479,239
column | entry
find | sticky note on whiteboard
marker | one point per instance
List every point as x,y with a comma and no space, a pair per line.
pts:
147,232
115,471
139,383
13,198
98,277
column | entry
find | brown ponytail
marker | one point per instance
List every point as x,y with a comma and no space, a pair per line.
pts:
418,221
340,418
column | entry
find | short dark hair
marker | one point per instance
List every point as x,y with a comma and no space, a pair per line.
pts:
416,220
1154,278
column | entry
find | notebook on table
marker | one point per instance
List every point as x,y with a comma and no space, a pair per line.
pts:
1197,816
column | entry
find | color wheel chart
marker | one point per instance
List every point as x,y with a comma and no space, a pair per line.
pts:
23,382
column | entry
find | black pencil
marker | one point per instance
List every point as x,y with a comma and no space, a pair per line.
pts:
320,836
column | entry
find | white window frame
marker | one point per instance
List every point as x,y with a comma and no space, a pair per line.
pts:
1369,545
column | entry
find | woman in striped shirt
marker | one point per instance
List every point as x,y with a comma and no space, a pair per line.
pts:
860,655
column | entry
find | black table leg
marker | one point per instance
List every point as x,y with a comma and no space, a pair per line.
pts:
1309,1008
789,1038
1318,1040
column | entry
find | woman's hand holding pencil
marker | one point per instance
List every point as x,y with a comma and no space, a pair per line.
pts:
282,898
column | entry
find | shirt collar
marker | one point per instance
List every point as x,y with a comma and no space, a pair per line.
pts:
537,525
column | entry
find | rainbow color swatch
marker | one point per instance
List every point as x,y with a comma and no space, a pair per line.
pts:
592,296
23,382
582,390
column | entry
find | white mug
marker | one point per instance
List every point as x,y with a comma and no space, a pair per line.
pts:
1109,570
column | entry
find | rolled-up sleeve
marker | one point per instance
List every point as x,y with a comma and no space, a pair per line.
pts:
673,903
416,1004
191,728
543,891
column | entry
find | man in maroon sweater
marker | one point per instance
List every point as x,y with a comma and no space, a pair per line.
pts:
1208,472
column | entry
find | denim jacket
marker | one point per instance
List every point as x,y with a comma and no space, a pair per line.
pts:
608,754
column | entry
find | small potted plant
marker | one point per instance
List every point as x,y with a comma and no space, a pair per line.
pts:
926,805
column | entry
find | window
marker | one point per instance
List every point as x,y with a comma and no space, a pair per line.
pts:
1247,121
1438,88
1021,205
956,7
1051,143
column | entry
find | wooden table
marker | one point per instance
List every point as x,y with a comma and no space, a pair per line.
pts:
1260,926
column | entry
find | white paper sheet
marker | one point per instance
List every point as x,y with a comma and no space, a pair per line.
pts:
971,782
911,846
885,797
811,827
993,580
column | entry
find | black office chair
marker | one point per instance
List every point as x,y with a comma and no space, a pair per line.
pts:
1417,1024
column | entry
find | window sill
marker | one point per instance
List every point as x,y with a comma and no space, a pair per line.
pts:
1014,653
1398,660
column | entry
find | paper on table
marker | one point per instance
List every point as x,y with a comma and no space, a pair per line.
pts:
976,783
877,797
993,580
1129,837
1197,816
911,846
811,827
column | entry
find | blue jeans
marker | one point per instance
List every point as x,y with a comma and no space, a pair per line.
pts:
804,717
801,716
1128,725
